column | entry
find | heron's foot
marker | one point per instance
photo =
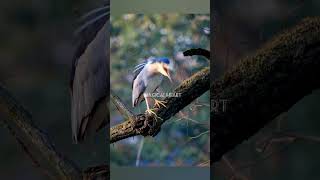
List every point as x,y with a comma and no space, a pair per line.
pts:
151,112
158,103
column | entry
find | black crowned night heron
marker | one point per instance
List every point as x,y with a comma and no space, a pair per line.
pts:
89,84
148,77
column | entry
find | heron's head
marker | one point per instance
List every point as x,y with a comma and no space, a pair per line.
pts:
162,65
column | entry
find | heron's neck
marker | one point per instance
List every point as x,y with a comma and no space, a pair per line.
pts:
152,69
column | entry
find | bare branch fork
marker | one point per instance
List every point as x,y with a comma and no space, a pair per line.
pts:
134,125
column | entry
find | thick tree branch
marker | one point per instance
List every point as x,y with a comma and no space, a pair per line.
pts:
189,90
37,145
264,85
21,122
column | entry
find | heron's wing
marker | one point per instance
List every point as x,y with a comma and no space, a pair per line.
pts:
91,22
137,70
89,81
138,88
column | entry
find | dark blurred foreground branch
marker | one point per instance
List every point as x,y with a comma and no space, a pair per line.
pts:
134,125
37,146
264,85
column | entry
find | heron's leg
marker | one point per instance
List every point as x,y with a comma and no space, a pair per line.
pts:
150,111
147,101
150,122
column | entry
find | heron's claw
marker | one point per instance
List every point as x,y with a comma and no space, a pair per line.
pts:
150,111
158,103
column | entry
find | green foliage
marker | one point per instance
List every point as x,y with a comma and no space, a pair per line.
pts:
137,37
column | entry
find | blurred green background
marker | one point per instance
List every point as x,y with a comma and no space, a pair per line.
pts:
135,37
36,47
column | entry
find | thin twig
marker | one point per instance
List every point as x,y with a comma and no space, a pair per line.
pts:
122,108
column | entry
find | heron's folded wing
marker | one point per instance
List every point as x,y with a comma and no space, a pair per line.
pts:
90,86
91,25
138,88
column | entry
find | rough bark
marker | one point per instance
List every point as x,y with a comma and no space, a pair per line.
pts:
264,85
135,125
37,145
